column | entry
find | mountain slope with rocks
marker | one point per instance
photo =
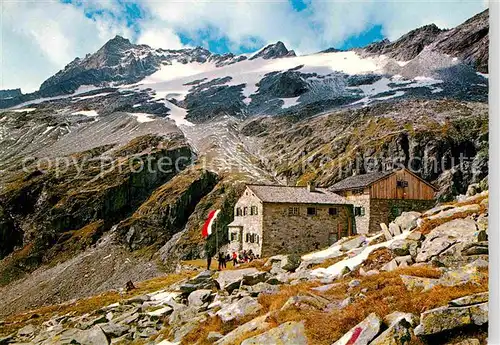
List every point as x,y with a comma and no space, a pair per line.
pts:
422,280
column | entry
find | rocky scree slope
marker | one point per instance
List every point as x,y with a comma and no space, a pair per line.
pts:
422,280
468,41
45,204
428,136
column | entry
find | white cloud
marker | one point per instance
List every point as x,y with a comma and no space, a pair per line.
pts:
320,25
40,38
158,37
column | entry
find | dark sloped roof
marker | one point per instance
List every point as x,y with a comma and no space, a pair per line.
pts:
359,181
299,195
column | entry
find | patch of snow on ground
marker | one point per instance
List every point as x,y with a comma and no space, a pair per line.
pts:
90,113
80,98
383,98
49,128
80,90
178,114
380,86
289,102
335,270
24,110
143,117
327,253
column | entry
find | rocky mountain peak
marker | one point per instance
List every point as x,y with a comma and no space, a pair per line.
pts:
118,42
407,46
469,41
273,51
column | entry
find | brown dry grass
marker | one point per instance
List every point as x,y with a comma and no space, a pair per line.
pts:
474,200
385,293
87,305
428,225
258,264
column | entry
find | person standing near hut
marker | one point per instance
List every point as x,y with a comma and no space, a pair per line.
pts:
235,259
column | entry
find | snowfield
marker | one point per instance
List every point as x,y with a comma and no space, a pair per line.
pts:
171,80
90,113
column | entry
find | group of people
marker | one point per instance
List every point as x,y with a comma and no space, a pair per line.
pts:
242,257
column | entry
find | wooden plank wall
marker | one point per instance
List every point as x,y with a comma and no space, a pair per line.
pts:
387,188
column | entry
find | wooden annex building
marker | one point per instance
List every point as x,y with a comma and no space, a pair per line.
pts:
379,197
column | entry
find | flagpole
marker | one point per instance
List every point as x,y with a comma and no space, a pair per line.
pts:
216,237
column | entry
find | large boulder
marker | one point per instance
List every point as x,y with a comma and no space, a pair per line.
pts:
204,280
255,278
287,333
114,330
199,297
262,288
239,309
394,229
478,298
353,243
407,220
418,283
362,333
448,318
444,236
386,232
306,300
478,248
401,247
255,325
398,333
182,315
462,275
93,336
231,280
451,277
287,263
455,210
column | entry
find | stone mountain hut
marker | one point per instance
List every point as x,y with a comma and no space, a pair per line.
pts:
272,219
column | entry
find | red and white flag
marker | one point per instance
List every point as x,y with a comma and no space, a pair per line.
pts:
207,227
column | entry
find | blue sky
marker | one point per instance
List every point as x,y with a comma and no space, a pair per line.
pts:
41,37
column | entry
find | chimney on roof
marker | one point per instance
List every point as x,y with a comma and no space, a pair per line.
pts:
311,187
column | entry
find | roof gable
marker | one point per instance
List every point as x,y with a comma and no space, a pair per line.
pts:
296,195
360,181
